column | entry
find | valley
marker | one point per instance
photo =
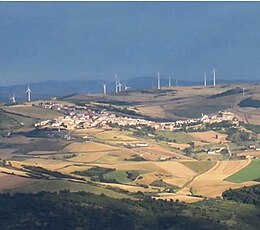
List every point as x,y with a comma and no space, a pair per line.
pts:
154,143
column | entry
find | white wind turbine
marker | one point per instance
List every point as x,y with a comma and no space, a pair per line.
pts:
29,93
126,87
119,87
104,88
244,89
205,79
170,82
158,81
13,99
116,83
214,76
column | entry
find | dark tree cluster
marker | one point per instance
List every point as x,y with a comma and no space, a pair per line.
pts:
247,195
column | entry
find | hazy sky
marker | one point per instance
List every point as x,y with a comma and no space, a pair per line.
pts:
84,40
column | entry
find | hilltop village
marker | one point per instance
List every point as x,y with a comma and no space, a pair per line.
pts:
76,117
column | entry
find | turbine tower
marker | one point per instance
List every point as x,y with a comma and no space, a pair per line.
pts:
244,92
214,77
116,83
13,99
119,87
158,81
170,82
104,89
126,87
29,92
205,79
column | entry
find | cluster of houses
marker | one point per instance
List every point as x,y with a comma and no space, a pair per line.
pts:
84,118
220,117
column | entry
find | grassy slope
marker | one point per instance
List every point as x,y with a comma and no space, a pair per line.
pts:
87,211
57,185
249,173
180,137
33,112
199,166
119,175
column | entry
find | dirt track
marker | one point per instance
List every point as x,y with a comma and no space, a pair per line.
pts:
212,184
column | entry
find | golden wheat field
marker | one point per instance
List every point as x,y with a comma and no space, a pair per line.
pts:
87,147
212,184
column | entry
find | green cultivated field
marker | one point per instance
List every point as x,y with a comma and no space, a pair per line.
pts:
180,137
199,166
249,173
119,175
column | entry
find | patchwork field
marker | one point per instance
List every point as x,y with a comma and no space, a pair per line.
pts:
168,160
249,173
212,183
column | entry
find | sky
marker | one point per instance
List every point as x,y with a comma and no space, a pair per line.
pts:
42,41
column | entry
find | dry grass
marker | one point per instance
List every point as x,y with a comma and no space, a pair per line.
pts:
173,196
179,146
88,157
251,153
210,137
155,111
45,163
12,171
209,157
155,152
87,132
87,147
212,184
68,169
6,154
15,139
199,143
115,137
11,182
129,188
32,111
176,169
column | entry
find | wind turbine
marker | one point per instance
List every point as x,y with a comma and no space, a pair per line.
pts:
205,79
170,82
104,88
116,83
176,82
126,87
214,77
119,87
29,92
158,81
13,99
244,92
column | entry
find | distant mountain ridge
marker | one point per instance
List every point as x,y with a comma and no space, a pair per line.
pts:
48,89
